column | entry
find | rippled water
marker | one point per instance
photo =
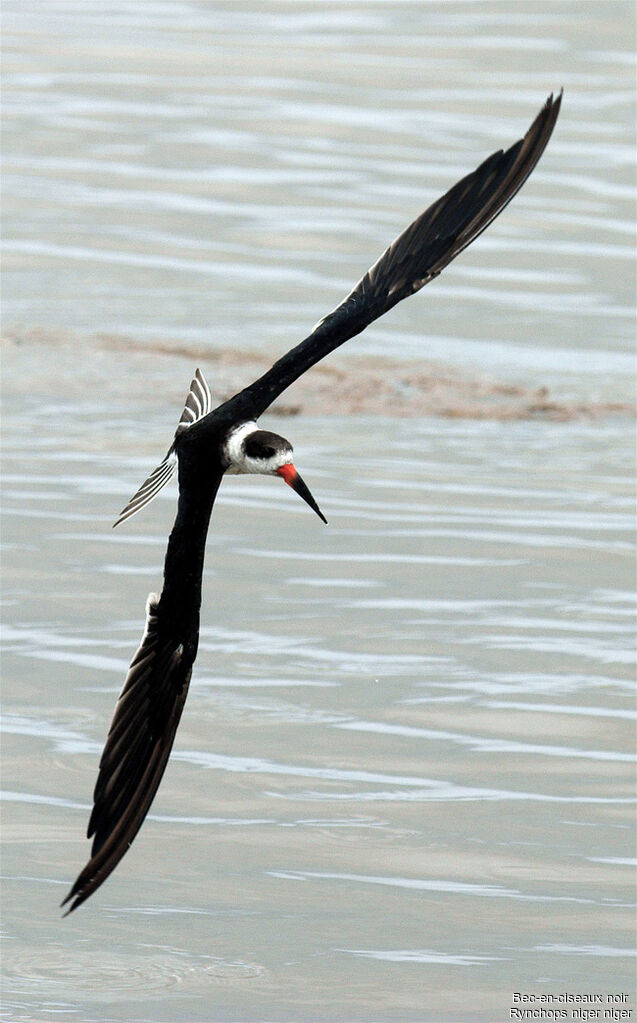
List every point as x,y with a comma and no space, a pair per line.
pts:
224,172
403,784
407,752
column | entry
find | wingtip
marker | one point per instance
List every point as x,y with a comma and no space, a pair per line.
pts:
64,901
78,900
125,513
554,101
78,894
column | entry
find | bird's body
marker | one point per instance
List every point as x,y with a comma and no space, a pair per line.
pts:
210,443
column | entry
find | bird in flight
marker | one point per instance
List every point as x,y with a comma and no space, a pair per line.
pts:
212,442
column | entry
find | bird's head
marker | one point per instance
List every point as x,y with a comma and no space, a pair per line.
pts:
250,450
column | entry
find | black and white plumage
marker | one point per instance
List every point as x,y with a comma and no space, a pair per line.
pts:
212,442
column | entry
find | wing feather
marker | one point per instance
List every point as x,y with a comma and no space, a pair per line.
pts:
198,404
418,255
136,752
149,707
150,487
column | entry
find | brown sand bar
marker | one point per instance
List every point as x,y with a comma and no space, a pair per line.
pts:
41,360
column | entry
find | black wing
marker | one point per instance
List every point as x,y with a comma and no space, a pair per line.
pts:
137,749
416,257
149,708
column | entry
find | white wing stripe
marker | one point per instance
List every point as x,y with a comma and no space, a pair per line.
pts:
150,487
156,478
198,403
206,390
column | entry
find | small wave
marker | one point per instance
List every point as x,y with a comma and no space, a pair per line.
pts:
427,885
420,955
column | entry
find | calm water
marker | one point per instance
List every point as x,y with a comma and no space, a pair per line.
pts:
403,784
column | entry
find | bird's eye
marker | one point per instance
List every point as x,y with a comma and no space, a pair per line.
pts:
258,447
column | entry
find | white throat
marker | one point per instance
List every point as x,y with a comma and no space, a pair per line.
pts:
233,448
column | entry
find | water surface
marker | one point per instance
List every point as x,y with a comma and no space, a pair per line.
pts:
403,783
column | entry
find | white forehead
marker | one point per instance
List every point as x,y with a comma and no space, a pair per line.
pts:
235,439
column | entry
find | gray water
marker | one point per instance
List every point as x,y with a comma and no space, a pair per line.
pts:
402,788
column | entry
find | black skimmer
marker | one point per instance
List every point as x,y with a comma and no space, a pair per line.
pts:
212,442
